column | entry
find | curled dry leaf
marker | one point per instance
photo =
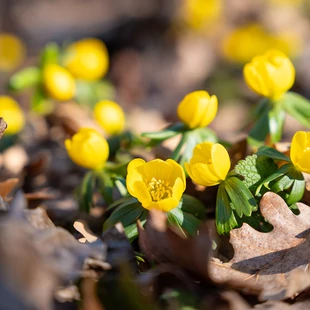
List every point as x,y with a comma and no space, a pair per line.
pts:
7,186
266,263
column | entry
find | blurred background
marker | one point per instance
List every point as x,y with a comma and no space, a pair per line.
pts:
161,50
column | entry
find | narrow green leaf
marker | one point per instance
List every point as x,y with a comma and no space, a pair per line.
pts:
192,205
121,201
260,129
297,192
50,54
276,118
86,192
224,216
166,133
187,221
25,78
241,197
176,154
283,170
272,153
126,213
298,102
282,184
105,185
131,230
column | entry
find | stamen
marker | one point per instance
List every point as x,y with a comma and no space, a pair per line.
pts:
159,189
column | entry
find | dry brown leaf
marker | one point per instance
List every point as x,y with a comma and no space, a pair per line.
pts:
3,126
7,186
264,262
160,243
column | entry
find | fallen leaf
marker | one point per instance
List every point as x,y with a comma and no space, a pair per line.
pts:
3,126
162,244
264,262
7,186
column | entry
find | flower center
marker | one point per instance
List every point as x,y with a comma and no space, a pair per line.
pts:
159,189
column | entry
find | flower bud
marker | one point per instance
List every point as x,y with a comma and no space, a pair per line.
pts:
110,116
88,149
270,74
87,59
12,114
300,151
197,109
209,164
58,82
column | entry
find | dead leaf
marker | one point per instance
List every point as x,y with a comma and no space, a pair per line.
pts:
3,126
160,243
7,186
264,262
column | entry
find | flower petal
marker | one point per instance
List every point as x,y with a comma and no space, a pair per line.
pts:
164,205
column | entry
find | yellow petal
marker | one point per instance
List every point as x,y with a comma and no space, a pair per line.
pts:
178,189
304,161
299,143
220,161
157,169
164,205
133,174
177,173
209,112
140,191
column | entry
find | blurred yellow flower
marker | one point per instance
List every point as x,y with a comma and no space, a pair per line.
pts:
197,109
12,52
270,74
199,14
87,59
88,149
300,151
58,82
245,42
209,164
157,184
110,116
12,114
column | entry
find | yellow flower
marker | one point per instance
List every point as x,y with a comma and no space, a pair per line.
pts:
157,184
197,109
12,114
199,14
300,151
58,82
87,59
12,52
270,75
110,116
209,165
88,149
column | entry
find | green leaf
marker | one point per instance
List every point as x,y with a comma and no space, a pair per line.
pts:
131,230
260,129
276,118
265,182
120,201
272,153
120,184
50,54
282,184
224,216
176,154
126,213
86,192
298,106
105,185
25,78
254,169
192,205
240,196
166,133
186,220
296,192
40,103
